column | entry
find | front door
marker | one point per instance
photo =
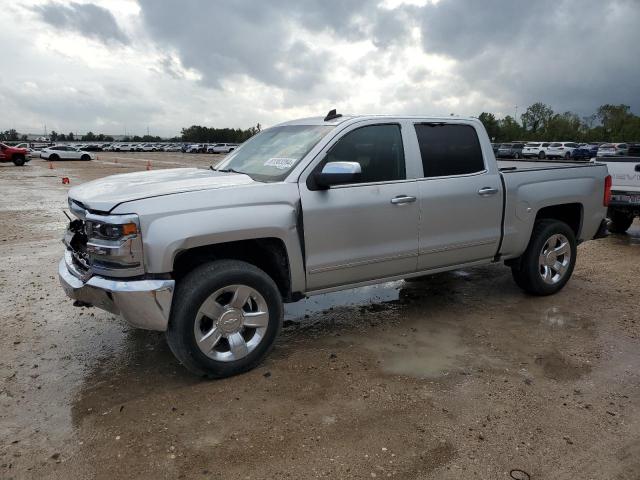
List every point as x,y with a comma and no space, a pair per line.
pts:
366,230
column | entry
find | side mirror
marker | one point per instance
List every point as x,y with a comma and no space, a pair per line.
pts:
335,173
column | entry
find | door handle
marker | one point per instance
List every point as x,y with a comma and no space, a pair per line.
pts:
402,199
484,191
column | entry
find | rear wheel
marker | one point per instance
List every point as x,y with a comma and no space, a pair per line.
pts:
567,155
19,161
516,155
541,155
225,318
620,221
548,262
54,157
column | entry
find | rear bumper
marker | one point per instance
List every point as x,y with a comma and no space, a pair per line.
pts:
144,304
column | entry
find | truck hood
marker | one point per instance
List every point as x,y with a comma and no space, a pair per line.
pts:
105,193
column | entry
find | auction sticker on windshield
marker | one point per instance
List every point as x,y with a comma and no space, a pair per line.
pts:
280,163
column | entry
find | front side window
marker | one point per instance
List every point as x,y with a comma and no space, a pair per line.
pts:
271,154
377,148
450,149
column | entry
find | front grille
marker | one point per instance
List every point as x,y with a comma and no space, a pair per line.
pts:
75,240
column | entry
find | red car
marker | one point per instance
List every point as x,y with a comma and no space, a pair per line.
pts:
19,156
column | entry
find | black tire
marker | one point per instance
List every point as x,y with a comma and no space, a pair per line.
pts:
527,270
19,161
516,156
54,157
567,155
192,291
620,221
542,155
85,157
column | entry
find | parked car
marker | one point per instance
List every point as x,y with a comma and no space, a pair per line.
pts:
125,147
193,148
173,148
581,153
535,149
210,255
18,155
613,149
625,191
634,150
510,150
561,149
495,147
149,147
64,152
222,148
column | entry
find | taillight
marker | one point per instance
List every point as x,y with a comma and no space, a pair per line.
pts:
607,191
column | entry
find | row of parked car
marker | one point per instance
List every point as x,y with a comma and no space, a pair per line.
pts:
165,147
564,150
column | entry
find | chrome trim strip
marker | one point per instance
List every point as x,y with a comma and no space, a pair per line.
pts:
328,268
457,246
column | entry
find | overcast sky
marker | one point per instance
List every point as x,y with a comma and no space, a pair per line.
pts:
123,65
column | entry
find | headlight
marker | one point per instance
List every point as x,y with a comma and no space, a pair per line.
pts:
114,245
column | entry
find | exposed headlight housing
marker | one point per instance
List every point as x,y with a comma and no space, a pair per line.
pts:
114,245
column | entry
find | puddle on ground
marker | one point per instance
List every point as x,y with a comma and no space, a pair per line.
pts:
559,318
363,296
632,237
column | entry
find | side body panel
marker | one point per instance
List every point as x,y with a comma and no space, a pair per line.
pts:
528,190
174,223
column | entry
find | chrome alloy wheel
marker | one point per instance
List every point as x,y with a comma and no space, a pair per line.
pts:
231,323
554,259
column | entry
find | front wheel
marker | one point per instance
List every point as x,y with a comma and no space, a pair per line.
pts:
620,221
19,161
541,155
548,262
225,318
85,158
516,156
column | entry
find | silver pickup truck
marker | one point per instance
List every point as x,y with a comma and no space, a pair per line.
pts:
312,206
625,191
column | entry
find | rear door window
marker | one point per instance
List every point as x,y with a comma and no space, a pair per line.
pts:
449,149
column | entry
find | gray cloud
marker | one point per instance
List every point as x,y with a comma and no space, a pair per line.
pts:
572,54
87,19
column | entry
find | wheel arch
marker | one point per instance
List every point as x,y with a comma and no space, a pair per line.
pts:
269,254
569,213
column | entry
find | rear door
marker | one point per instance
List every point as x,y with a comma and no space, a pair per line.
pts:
460,197
367,230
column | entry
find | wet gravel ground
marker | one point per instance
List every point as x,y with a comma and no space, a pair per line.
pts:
458,376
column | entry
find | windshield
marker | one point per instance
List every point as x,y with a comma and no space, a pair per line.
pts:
270,155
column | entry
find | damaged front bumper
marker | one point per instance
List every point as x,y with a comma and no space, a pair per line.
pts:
143,303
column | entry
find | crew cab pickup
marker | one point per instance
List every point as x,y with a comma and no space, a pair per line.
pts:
625,191
19,156
312,206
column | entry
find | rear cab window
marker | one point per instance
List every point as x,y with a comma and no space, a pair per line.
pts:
449,149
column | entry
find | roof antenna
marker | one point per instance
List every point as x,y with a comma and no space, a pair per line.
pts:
332,115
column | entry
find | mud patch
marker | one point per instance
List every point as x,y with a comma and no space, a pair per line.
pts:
557,367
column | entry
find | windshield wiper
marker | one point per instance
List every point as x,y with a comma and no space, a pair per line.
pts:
225,170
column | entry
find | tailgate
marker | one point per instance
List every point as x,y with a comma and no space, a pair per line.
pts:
625,173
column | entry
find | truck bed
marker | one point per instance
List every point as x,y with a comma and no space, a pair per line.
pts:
519,165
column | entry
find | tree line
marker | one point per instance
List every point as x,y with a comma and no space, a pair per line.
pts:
199,134
610,123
